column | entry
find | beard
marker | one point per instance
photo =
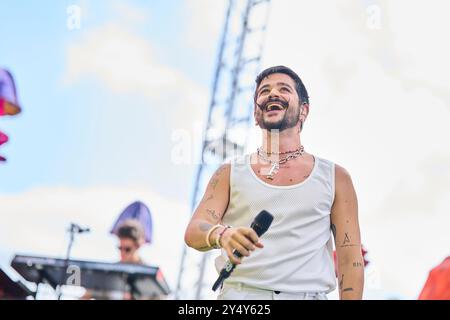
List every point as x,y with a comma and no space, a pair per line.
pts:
289,120
286,122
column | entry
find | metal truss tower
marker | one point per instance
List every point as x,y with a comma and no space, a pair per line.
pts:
229,116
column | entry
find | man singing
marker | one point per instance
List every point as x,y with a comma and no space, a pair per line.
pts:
309,197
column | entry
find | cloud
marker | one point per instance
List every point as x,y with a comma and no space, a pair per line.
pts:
423,55
407,233
203,28
129,13
35,223
121,60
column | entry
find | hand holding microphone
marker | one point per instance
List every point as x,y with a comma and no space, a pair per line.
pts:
240,242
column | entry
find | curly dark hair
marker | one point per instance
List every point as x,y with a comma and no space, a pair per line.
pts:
131,229
300,87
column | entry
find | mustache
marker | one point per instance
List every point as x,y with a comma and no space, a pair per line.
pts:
263,105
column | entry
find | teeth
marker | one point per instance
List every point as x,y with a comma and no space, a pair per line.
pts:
271,107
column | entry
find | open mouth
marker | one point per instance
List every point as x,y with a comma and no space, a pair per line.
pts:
274,107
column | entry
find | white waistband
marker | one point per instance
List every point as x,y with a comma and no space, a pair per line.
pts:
239,286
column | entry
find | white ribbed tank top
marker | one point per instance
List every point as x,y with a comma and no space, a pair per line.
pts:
297,253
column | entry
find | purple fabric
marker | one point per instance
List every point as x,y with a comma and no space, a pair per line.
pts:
7,87
7,94
138,211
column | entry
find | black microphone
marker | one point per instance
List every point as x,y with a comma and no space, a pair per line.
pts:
261,224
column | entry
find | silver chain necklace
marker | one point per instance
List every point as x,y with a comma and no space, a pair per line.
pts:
276,164
280,153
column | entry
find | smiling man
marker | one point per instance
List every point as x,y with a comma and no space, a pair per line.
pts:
311,198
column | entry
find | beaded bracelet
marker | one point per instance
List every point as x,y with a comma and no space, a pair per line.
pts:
218,245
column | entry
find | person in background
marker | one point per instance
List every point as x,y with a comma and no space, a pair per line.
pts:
131,238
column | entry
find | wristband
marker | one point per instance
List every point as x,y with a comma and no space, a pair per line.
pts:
209,234
218,245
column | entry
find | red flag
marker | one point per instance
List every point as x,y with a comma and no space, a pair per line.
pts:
437,286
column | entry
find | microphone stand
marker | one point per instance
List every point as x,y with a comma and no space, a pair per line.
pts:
74,229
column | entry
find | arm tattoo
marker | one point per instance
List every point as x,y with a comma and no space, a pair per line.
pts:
357,264
346,239
205,226
213,214
214,183
215,179
220,170
341,285
347,243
